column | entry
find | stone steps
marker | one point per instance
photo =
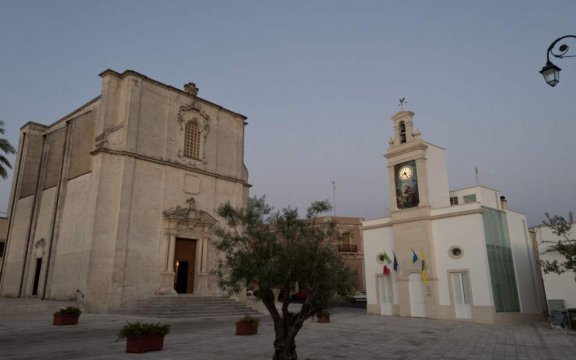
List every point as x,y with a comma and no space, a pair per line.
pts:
188,306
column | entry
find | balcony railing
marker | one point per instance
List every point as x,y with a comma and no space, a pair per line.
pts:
347,248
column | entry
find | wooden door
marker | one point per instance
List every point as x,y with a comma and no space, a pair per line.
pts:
416,287
461,295
386,295
184,265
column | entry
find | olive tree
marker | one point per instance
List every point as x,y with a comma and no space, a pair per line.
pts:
566,246
276,252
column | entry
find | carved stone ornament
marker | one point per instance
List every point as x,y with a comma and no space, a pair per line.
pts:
187,114
191,88
189,217
39,246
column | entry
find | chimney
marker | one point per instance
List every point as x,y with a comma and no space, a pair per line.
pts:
503,203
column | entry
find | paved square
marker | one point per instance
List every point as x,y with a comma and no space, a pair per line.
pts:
351,335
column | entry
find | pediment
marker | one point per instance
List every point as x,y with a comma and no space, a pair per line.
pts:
189,215
183,214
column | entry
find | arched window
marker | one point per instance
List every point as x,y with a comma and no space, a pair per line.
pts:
192,140
402,132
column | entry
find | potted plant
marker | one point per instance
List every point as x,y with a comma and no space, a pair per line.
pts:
142,337
67,316
248,325
323,316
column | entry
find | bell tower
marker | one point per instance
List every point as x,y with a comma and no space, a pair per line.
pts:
407,169
409,161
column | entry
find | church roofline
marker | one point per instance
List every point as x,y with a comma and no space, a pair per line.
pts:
169,87
64,118
436,146
474,187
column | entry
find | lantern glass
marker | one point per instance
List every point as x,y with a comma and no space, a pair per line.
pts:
551,74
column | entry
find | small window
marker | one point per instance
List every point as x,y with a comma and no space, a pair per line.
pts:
469,198
402,132
455,252
192,140
453,200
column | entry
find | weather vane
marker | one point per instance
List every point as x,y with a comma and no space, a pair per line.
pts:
402,102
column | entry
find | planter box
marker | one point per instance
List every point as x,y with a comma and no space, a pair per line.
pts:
246,329
140,344
62,319
323,318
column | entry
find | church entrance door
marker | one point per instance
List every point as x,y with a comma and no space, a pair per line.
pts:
386,295
184,265
416,288
461,295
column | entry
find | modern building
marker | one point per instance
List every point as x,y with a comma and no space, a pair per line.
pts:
116,200
444,254
560,288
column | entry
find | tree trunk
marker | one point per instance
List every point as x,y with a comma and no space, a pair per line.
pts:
285,348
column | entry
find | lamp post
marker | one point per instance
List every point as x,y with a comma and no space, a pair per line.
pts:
550,71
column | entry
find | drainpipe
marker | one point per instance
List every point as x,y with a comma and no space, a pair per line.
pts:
61,180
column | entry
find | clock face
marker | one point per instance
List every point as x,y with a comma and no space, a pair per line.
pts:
405,173
406,184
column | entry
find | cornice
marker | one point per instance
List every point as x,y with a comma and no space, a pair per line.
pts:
169,87
405,148
169,163
421,218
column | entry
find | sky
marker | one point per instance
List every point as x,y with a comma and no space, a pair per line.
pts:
319,82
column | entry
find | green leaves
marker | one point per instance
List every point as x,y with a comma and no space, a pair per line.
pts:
143,329
565,247
6,148
278,250
69,310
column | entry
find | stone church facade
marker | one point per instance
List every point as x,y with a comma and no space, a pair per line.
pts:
116,201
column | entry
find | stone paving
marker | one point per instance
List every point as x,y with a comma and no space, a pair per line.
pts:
351,335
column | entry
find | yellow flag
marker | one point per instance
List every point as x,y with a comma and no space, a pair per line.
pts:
424,268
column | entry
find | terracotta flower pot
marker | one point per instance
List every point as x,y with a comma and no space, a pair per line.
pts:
246,328
140,344
323,318
64,319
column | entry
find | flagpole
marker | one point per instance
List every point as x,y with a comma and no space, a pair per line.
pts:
334,196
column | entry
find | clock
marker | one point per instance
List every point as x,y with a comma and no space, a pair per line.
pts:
405,173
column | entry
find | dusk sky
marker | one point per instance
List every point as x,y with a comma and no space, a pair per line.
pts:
319,81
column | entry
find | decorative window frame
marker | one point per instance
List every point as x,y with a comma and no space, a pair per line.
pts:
186,115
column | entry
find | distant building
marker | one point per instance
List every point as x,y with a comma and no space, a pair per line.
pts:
560,288
117,199
460,254
348,242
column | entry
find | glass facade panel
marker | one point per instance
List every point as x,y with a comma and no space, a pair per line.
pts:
504,288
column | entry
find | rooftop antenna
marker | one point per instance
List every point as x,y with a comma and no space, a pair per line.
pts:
402,102
476,171
334,195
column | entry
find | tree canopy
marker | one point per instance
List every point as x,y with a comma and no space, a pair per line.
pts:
566,246
276,252
5,149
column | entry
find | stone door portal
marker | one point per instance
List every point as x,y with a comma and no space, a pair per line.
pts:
184,265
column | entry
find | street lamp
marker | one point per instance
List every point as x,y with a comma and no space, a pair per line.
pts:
550,71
